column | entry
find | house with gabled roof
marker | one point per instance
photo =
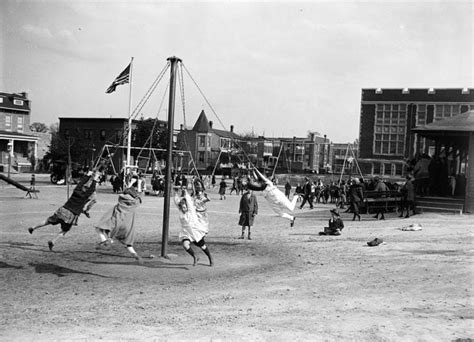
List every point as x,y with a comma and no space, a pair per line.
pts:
225,151
18,146
207,144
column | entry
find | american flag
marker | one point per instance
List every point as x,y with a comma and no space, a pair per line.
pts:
123,78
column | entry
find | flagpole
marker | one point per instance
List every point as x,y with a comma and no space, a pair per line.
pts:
129,138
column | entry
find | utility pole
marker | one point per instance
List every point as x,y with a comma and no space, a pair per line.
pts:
169,158
10,153
68,169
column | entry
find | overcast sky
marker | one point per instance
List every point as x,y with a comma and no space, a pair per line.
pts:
276,68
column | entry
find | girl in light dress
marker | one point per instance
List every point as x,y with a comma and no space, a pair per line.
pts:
194,222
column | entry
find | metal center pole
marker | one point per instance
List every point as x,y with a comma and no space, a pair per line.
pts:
169,158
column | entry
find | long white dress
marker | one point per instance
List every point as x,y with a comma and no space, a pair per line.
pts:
279,203
194,225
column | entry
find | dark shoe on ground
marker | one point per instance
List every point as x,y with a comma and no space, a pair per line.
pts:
407,216
374,242
50,245
31,230
376,216
249,238
241,237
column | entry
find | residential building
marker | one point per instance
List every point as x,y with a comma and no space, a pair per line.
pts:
18,147
310,154
214,149
100,137
210,148
207,148
387,117
345,157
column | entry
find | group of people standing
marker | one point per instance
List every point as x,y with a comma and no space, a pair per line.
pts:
351,194
436,176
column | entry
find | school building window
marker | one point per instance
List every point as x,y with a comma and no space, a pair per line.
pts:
18,102
445,111
399,169
421,115
387,171
390,129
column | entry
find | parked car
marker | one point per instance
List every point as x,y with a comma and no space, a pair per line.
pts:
58,172
310,171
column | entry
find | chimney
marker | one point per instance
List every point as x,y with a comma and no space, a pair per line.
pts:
232,128
25,94
210,124
181,126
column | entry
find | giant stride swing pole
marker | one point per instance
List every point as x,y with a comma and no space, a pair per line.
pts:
169,157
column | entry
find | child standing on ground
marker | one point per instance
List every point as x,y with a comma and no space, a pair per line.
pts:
248,209
222,187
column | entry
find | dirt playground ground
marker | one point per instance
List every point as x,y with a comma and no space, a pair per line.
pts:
287,284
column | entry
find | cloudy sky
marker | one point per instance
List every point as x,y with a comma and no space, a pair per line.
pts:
277,68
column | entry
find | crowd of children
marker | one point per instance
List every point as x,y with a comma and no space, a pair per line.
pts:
118,223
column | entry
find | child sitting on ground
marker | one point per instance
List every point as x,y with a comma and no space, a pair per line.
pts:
335,224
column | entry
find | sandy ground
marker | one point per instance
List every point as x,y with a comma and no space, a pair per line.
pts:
287,284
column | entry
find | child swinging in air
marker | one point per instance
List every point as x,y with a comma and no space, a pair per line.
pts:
118,222
194,223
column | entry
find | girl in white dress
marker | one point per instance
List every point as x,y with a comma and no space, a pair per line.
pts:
194,223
